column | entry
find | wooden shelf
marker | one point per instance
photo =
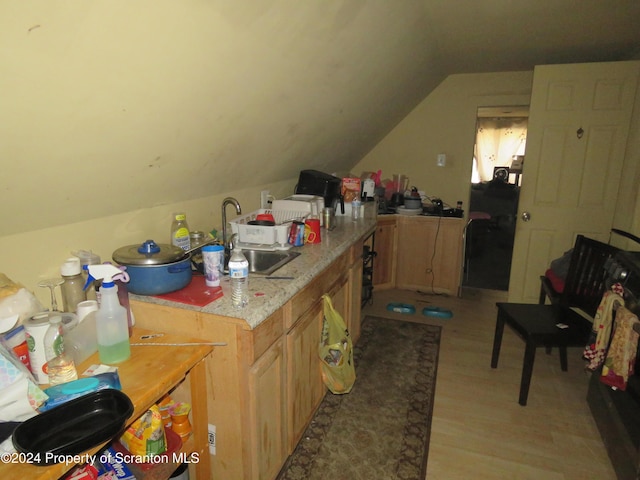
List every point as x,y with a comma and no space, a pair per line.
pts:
150,373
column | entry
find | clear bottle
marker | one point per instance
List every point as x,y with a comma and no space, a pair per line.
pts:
123,298
60,366
80,342
112,326
180,232
87,258
355,209
73,286
239,274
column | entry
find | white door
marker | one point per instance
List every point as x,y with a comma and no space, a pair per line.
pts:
576,141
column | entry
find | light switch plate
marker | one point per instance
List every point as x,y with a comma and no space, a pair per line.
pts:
264,199
442,160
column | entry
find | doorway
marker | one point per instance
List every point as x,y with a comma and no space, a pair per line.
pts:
498,157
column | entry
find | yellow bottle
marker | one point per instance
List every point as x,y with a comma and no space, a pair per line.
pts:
180,232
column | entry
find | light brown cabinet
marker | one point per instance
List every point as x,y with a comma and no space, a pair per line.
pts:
267,425
354,296
304,381
265,384
429,254
385,248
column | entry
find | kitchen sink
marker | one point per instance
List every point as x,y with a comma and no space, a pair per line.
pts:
266,262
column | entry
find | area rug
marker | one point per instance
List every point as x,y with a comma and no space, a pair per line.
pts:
380,430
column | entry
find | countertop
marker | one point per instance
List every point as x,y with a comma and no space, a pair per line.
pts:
267,296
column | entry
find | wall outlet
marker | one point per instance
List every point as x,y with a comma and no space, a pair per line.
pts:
264,199
212,439
441,160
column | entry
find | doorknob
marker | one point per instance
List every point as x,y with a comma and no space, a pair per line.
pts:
526,216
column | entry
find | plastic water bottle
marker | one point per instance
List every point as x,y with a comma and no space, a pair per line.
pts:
60,366
239,274
112,327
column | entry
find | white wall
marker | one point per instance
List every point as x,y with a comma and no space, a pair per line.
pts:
445,122
156,102
32,256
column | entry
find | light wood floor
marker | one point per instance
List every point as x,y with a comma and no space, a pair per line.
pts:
479,430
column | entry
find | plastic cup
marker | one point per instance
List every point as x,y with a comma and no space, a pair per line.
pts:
213,259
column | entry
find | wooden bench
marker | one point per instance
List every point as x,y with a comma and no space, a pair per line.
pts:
558,324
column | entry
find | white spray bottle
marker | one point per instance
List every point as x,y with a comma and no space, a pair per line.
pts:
112,327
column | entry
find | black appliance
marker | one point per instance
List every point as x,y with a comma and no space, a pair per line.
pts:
368,254
397,199
314,182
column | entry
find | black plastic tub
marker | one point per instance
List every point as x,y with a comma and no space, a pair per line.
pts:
73,427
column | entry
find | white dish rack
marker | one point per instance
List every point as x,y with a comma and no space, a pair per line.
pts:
265,237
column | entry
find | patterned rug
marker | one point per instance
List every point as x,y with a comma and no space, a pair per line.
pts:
380,430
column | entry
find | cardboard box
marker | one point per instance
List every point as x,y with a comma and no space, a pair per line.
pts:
351,188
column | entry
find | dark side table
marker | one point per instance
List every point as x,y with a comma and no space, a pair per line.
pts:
538,326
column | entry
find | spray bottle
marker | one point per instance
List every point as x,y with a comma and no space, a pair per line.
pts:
112,326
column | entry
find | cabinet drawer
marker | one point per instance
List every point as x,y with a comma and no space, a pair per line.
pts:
335,273
257,341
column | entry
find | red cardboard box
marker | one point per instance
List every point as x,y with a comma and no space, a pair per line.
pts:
350,189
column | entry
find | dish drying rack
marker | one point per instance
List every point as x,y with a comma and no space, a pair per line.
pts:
266,237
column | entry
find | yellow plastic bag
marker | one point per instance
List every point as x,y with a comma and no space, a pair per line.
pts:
146,435
336,351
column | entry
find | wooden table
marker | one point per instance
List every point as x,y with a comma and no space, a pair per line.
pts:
150,373
537,325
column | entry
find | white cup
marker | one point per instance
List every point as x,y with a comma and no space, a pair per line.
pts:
213,259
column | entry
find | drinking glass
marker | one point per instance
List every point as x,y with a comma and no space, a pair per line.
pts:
51,284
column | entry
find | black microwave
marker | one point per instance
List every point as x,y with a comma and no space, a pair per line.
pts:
314,182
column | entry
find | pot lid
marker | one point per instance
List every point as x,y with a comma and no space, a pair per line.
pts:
148,253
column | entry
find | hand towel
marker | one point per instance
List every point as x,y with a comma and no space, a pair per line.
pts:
621,357
596,349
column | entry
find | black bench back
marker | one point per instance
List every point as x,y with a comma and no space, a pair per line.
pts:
587,276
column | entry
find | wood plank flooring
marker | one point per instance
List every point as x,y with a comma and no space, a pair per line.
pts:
479,430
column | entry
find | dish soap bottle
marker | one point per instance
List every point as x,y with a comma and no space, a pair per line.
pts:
60,366
112,326
180,232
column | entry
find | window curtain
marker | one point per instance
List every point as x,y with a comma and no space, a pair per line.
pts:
497,141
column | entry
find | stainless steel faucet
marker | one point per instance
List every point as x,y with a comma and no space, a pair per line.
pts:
236,204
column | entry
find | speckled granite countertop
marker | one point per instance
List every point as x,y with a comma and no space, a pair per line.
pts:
267,296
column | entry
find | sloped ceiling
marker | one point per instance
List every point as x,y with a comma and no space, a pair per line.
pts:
507,35
157,101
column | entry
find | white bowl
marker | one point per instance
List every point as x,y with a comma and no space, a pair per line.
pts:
402,210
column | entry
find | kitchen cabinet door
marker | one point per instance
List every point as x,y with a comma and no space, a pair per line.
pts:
429,254
266,398
340,299
355,295
305,388
385,247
